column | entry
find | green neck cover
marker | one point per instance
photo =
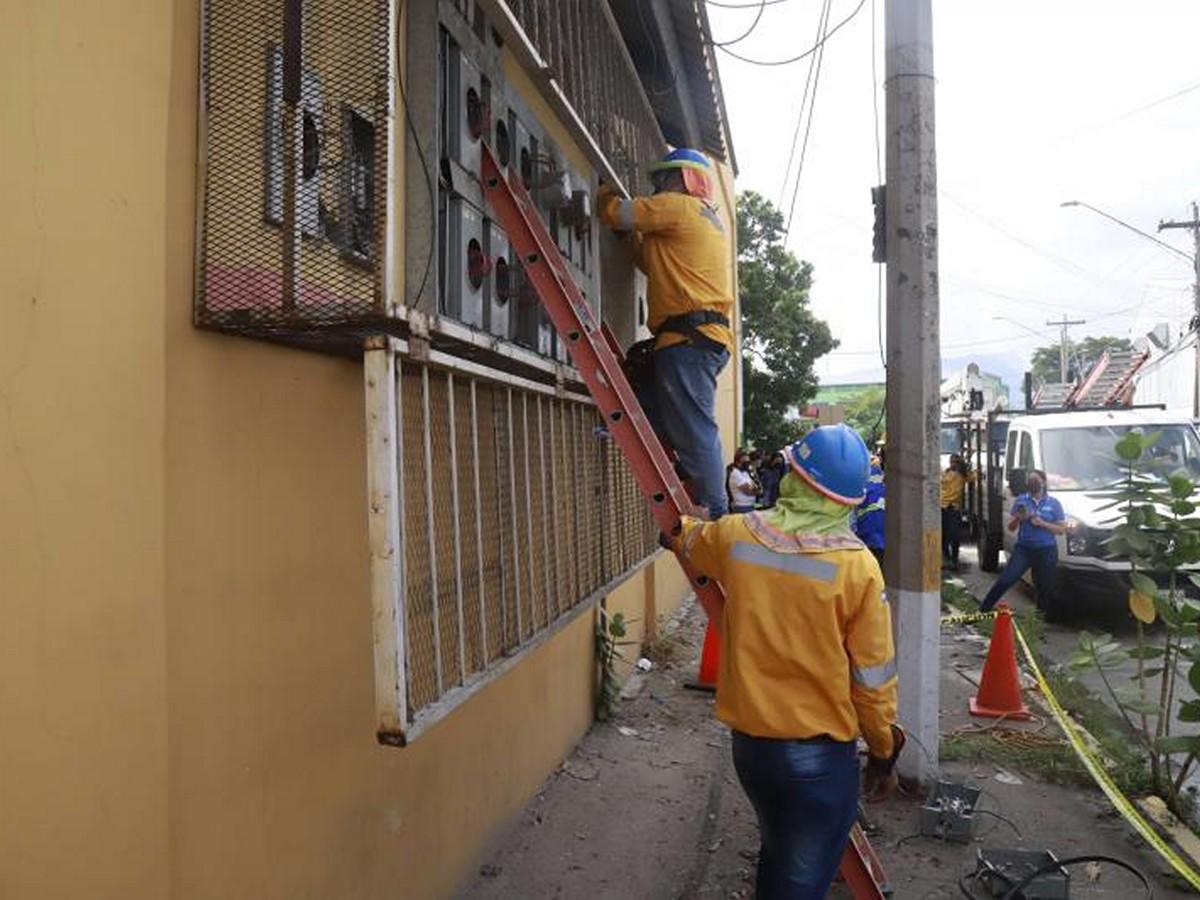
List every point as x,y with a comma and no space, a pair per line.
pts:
801,510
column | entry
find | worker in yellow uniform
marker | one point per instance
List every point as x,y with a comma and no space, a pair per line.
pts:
685,251
807,660
954,482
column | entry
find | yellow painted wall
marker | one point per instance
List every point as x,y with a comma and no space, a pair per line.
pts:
83,738
185,633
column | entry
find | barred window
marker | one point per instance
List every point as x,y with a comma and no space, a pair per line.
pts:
514,510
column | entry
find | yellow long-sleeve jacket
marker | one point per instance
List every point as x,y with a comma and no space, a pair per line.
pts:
686,254
806,636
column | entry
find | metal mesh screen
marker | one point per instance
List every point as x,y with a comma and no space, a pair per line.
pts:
582,44
294,126
515,509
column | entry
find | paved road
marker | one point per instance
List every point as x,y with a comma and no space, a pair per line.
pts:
1062,639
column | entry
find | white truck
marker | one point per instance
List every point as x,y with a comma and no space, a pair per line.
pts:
1075,450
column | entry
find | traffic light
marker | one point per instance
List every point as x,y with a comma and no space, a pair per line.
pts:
976,400
879,246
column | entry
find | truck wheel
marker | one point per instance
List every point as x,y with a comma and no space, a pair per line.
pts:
989,551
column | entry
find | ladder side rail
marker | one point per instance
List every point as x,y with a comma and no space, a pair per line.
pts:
593,357
1118,389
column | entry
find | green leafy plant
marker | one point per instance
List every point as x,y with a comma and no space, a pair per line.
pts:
610,632
1158,532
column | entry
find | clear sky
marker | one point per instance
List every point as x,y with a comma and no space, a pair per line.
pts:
1037,103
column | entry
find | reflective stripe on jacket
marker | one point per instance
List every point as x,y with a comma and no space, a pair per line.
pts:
806,636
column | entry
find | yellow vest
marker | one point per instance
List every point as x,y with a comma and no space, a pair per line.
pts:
686,254
806,636
952,488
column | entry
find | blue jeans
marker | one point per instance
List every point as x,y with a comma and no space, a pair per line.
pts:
805,794
1043,561
681,405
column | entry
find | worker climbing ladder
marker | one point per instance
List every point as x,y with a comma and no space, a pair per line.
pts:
598,361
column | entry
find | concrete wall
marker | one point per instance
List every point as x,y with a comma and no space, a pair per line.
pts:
185,635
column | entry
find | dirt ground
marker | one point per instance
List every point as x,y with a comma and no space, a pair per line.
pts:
648,806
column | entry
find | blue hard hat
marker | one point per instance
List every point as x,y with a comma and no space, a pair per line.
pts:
682,158
834,461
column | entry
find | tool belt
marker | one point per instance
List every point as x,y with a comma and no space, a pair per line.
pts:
688,325
639,361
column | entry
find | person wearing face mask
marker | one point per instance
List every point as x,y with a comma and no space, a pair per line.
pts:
807,661
741,487
1038,519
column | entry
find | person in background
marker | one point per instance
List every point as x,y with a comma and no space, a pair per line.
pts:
737,454
807,662
686,252
769,476
869,515
1038,519
954,483
740,485
755,470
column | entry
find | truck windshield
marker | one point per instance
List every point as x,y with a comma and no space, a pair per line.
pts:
952,439
1082,459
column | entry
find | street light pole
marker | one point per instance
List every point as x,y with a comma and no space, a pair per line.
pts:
1194,227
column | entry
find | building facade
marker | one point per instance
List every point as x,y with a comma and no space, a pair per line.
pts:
305,516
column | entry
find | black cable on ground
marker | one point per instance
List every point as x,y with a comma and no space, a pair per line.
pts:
1014,893
1005,820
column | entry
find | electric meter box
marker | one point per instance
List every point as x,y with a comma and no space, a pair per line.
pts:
466,109
499,289
467,263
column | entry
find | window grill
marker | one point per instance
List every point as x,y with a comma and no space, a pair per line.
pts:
295,100
580,41
516,508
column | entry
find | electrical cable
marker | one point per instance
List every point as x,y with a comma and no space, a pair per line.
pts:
762,6
806,53
822,18
1006,821
875,100
743,5
812,106
654,57
878,180
412,129
1014,893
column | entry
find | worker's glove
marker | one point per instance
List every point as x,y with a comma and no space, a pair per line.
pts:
879,776
603,194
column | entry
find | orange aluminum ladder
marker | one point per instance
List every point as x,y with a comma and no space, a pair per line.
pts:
597,357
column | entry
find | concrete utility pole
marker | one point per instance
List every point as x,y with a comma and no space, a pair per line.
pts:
913,562
1062,344
1194,227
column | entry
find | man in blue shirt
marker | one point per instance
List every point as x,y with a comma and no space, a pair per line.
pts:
1038,520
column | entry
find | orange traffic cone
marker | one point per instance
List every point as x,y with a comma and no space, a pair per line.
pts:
710,657
999,694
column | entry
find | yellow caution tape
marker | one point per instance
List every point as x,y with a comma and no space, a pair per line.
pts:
1102,778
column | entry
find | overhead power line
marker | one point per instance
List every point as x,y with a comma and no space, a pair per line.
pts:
822,19
744,5
762,6
811,50
812,106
